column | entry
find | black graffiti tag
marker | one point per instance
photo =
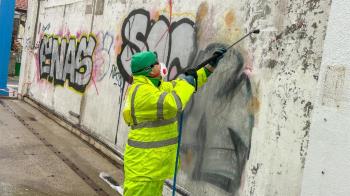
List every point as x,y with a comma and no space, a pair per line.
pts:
62,59
174,43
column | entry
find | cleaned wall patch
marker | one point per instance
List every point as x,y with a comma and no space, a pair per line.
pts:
333,86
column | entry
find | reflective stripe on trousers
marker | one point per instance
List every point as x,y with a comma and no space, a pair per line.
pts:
156,144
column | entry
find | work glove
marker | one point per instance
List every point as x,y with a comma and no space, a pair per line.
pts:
191,77
190,80
219,53
191,72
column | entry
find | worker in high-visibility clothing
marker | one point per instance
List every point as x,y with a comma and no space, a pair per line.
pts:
151,110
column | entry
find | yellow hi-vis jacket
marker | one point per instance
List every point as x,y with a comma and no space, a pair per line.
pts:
152,113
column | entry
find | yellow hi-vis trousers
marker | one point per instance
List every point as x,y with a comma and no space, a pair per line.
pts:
143,188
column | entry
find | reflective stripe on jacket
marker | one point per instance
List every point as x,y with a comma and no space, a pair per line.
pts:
152,114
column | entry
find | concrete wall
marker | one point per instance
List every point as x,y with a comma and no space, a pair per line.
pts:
327,167
246,132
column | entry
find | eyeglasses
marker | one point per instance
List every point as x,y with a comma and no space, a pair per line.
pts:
156,63
148,68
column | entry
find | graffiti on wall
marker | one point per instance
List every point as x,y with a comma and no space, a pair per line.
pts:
103,55
218,119
217,127
175,43
69,59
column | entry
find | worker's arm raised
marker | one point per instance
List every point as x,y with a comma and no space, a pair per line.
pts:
176,100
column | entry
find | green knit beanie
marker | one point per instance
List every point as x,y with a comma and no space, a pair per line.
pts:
142,60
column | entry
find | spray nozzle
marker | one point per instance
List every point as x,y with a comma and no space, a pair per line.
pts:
256,31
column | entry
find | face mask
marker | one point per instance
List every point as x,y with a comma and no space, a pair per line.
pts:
163,70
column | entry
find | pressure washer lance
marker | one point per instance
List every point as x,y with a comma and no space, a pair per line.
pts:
204,63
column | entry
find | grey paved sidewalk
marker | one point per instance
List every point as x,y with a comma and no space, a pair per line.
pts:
38,157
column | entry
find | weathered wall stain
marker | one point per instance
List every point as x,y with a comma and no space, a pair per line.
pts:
202,12
272,63
313,4
202,19
230,19
254,105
